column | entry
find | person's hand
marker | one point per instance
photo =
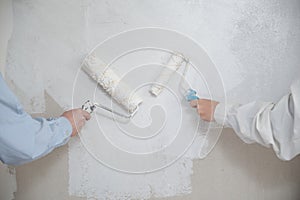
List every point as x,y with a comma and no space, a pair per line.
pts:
205,108
77,118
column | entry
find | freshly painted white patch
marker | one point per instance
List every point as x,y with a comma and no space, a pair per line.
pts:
155,142
91,179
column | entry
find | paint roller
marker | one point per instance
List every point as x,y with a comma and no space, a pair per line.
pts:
173,64
113,85
176,61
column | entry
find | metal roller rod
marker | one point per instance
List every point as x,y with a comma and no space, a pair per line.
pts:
90,107
115,112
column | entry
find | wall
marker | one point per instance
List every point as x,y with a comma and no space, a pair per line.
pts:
8,183
253,44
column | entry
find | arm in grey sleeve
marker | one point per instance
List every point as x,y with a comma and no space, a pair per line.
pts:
269,124
23,138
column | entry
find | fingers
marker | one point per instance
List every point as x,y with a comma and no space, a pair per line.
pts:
77,118
194,103
81,117
81,114
80,124
205,108
86,115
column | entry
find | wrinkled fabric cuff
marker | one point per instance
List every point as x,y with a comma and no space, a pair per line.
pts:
220,114
64,132
65,125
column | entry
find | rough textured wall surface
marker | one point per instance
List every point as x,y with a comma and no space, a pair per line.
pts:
254,45
8,183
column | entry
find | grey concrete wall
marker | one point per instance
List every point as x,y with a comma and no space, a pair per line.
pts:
7,175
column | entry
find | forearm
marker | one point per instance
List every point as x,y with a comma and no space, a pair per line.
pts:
51,133
24,139
27,139
250,121
266,123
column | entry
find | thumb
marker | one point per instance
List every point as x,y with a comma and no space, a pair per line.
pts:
194,103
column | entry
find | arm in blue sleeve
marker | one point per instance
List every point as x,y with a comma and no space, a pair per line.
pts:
23,138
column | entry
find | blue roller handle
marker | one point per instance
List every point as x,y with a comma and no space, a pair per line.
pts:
191,95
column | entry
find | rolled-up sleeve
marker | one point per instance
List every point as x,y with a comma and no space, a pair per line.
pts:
275,125
23,138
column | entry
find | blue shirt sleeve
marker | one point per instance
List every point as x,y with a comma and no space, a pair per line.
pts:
23,138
